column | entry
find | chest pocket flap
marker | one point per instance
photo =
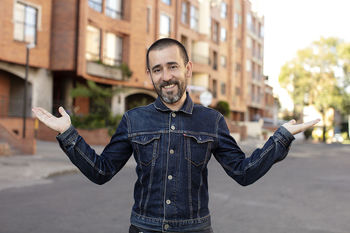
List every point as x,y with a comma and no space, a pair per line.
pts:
146,147
197,148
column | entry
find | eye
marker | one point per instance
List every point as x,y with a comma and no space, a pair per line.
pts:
173,67
156,70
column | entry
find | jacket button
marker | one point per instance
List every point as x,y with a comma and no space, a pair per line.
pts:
168,202
170,177
172,151
173,127
166,226
173,114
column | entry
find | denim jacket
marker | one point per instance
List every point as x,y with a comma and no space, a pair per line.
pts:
172,150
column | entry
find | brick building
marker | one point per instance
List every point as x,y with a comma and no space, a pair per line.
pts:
80,40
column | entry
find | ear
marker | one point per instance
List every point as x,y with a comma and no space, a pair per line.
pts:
189,69
149,74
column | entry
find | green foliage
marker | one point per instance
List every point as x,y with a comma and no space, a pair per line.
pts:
314,77
223,107
125,70
100,111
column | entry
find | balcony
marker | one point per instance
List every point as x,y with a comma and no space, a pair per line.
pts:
104,71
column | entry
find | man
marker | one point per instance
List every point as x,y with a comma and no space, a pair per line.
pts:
172,141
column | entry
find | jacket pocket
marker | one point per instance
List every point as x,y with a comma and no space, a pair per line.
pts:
146,148
197,148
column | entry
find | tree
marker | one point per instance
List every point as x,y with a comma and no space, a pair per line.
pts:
313,77
100,115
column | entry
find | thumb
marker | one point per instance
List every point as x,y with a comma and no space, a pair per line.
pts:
63,112
292,122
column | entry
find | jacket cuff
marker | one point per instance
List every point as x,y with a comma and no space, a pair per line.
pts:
284,136
68,138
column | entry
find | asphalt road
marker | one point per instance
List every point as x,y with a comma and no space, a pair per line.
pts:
308,192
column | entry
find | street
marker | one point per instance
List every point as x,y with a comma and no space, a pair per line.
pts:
308,192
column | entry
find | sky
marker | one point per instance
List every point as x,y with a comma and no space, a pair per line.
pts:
291,25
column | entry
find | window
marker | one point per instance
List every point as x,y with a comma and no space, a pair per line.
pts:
96,5
223,88
215,88
215,32
93,43
249,42
249,65
223,34
164,25
223,11
236,20
249,21
223,61
194,18
184,13
215,60
238,67
113,49
148,23
114,9
261,31
26,18
168,2
238,91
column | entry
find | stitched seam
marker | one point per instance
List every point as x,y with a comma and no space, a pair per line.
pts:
261,157
90,162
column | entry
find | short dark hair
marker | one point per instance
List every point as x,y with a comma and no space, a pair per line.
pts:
164,43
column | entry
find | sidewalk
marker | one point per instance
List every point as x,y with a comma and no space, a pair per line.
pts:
26,170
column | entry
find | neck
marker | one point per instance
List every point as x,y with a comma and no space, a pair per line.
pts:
177,105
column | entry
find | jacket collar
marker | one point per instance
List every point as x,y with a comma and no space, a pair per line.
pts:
187,107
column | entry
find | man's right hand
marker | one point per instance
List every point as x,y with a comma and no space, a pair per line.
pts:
60,124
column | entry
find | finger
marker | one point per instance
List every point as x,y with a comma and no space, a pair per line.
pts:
311,123
63,112
292,122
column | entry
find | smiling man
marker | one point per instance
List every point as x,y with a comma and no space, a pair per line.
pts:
172,141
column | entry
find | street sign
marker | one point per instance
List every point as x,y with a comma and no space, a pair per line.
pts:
206,98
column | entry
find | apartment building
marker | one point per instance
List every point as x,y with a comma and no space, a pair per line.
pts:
99,40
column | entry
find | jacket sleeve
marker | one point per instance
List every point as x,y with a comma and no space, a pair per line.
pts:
98,168
247,170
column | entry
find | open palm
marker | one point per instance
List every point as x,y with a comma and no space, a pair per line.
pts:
59,124
294,128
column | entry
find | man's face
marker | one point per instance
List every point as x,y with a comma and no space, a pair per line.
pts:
169,73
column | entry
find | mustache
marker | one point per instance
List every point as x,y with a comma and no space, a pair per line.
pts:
166,83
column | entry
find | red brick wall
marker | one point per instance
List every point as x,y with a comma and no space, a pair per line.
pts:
63,46
11,132
14,51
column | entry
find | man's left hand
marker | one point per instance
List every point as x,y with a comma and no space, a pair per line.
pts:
294,128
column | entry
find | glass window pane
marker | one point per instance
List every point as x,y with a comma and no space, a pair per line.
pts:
168,2
114,9
96,5
31,14
30,34
19,12
19,31
92,43
164,25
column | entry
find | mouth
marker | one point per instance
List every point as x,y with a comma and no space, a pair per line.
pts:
170,86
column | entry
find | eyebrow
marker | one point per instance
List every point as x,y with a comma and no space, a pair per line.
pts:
168,63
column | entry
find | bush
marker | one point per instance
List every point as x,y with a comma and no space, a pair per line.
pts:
223,107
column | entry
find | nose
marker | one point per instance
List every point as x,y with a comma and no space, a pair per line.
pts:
166,75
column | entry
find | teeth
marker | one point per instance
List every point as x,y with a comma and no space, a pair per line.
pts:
169,86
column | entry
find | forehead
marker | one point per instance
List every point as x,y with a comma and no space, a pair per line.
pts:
164,55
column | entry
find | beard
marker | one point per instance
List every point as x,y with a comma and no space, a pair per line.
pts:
172,96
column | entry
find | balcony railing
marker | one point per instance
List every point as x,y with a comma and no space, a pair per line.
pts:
197,58
104,71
